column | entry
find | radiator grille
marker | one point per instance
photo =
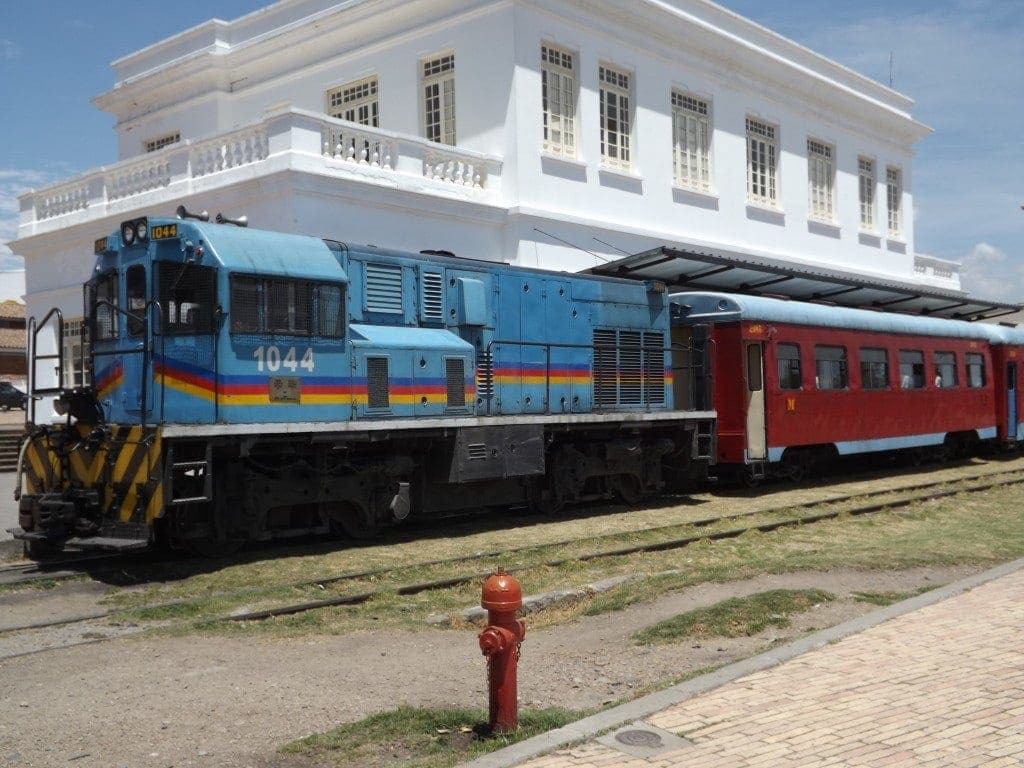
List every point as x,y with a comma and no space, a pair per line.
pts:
654,368
455,373
384,289
476,451
432,298
605,368
630,370
377,382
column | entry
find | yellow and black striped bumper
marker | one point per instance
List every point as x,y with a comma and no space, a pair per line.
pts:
124,465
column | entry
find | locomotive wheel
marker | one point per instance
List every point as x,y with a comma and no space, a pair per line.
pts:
354,522
629,488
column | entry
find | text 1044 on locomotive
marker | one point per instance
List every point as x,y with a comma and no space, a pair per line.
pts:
247,384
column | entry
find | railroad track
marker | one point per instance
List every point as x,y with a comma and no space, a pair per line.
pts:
917,492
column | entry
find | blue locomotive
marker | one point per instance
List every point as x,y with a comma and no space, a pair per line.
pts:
250,384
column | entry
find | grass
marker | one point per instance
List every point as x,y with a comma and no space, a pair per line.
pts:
975,529
888,598
416,737
735,617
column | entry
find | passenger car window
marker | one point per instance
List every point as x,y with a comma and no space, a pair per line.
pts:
945,370
787,358
874,368
830,369
911,369
975,370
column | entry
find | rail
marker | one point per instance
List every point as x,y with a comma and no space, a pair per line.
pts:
698,393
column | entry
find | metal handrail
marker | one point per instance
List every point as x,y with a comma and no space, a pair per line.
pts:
547,346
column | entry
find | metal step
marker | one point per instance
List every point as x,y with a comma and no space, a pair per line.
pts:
106,544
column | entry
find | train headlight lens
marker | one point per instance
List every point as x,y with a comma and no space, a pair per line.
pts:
142,229
128,233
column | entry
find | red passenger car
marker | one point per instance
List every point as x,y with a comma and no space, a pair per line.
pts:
798,382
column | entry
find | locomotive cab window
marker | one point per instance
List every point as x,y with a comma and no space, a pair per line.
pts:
267,306
105,317
787,358
911,369
330,311
945,370
830,368
874,368
288,307
135,292
975,370
188,295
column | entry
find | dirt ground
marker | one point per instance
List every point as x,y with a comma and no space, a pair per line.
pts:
194,701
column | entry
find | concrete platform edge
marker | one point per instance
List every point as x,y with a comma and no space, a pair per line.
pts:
645,706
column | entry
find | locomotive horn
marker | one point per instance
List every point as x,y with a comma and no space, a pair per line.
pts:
241,221
185,213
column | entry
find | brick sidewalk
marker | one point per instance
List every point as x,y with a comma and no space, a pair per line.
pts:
942,686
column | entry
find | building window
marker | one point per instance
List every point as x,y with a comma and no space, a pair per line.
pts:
874,368
439,99
152,145
77,360
975,370
945,370
356,102
691,135
830,370
866,171
894,198
821,180
616,118
911,369
787,357
558,94
762,161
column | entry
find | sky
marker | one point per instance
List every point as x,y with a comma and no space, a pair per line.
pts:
962,61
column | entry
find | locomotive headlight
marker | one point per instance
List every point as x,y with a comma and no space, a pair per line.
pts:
142,229
128,233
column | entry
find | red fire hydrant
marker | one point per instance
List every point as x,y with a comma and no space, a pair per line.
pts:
502,597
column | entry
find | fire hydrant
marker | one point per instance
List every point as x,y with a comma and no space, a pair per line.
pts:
502,597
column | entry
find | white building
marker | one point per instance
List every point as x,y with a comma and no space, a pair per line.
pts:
546,132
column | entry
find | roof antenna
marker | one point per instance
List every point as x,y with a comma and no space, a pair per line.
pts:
892,68
571,245
613,247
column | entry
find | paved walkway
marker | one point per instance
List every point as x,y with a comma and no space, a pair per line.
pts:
940,686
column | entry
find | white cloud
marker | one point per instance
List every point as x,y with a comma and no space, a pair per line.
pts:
14,182
989,273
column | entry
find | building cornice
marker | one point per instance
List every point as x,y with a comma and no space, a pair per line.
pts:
273,42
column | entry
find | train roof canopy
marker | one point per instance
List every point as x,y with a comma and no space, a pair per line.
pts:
736,272
725,307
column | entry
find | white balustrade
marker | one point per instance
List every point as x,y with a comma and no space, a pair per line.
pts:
454,168
137,178
56,201
355,145
231,151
